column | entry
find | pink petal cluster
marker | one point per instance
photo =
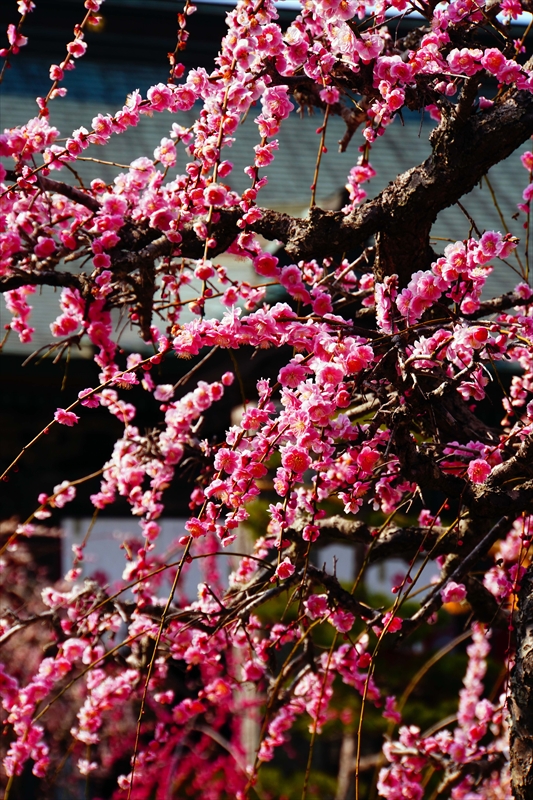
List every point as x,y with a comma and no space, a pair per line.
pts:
334,426
453,592
64,417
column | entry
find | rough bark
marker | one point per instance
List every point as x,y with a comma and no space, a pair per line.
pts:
521,695
41,278
401,216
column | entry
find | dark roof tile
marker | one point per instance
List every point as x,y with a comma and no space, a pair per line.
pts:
290,175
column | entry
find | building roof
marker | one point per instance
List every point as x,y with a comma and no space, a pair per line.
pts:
102,87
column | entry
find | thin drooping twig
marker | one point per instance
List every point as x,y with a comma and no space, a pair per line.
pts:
152,662
434,601
321,149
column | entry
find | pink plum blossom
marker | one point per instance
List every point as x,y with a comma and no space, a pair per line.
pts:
478,470
317,606
285,569
453,592
64,417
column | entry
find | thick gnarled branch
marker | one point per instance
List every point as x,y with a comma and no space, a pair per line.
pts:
401,216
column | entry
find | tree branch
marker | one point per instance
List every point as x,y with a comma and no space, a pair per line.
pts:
419,467
501,303
519,466
48,278
401,215
59,187
434,601
341,596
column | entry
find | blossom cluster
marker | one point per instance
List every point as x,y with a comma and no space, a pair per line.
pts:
352,423
477,715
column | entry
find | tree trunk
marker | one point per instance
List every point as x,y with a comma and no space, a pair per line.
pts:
521,696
